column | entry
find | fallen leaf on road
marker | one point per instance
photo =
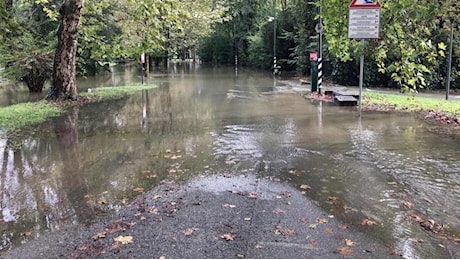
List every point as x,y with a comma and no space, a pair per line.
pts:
313,226
345,251
279,211
367,222
329,230
321,220
27,234
253,194
305,187
189,231
152,210
304,220
284,231
348,242
102,234
228,237
124,239
344,226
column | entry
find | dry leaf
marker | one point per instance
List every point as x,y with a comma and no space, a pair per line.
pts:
329,230
348,242
156,196
321,220
124,239
304,220
228,237
228,206
344,226
305,187
367,222
101,201
27,234
139,190
284,231
345,251
102,234
279,211
253,194
189,231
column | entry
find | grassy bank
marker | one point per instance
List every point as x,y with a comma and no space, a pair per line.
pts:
19,115
404,102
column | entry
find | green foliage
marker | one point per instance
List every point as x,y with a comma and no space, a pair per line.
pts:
412,46
26,48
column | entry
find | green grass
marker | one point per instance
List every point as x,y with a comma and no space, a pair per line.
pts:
23,114
404,102
19,115
116,92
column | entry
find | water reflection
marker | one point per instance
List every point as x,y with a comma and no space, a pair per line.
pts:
212,120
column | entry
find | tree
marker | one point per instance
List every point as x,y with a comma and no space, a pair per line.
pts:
409,50
64,85
25,44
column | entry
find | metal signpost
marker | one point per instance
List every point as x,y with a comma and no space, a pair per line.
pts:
363,23
142,67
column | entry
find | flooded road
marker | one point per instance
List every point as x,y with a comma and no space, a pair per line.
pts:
370,172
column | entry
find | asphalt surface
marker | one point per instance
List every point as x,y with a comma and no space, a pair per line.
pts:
211,217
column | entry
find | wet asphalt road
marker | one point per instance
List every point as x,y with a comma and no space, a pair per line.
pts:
212,217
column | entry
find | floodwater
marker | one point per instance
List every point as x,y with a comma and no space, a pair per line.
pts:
378,168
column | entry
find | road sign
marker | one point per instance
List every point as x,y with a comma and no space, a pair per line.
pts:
364,4
364,19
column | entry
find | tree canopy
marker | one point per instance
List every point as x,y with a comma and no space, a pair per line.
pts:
410,53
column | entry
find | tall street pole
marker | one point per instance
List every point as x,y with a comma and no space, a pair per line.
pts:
274,38
320,49
449,66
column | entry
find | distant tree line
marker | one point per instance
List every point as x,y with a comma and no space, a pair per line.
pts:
410,54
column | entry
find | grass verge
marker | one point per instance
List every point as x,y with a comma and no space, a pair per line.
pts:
19,115
404,102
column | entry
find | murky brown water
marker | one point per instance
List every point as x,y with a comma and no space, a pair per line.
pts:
203,121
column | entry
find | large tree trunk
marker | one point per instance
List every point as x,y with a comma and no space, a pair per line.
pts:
64,85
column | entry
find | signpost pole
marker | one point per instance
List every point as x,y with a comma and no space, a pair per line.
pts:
361,77
363,23
449,66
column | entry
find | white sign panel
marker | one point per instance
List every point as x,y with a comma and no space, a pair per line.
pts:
363,23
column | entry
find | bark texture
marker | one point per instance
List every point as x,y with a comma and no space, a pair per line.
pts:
64,85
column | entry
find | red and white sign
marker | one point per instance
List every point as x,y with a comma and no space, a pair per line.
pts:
364,19
313,56
365,4
143,58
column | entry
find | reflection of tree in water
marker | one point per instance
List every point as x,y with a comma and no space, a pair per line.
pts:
72,177
38,192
